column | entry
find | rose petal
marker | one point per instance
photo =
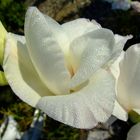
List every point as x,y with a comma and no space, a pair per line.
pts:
58,33
21,73
114,68
90,52
120,42
79,27
45,52
128,83
86,107
134,132
118,47
119,112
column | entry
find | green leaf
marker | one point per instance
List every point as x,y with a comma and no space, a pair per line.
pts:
3,33
134,116
3,80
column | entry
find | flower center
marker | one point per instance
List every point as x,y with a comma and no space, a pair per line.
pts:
71,70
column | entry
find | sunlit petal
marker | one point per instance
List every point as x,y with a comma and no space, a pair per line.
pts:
21,73
86,107
45,52
3,80
79,27
118,48
115,68
58,33
120,42
90,52
128,89
119,112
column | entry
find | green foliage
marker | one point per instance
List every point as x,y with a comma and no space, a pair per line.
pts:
11,105
134,116
3,80
58,131
12,14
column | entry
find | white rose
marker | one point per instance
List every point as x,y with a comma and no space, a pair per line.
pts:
127,72
61,69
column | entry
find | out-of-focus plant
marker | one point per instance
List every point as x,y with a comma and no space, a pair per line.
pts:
12,14
134,116
125,4
3,33
9,129
3,80
120,4
36,127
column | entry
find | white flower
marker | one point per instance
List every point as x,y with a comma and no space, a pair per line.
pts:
60,69
134,132
127,82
